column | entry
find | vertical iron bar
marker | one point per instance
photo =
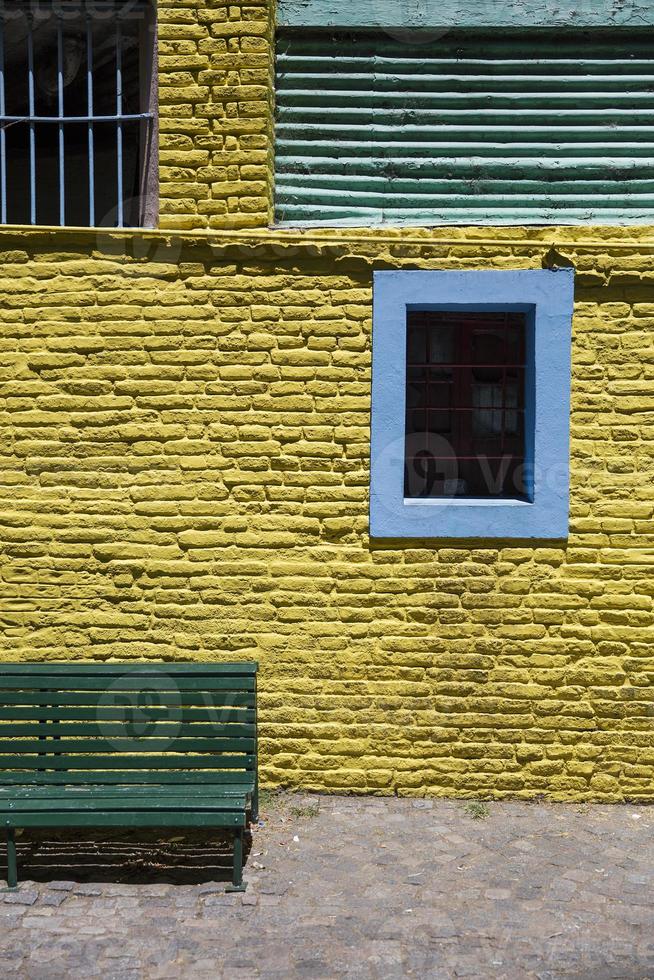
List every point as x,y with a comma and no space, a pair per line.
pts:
428,481
119,112
89,110
3,135
60,104
505,357
32,131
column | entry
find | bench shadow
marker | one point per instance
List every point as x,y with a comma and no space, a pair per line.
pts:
125,857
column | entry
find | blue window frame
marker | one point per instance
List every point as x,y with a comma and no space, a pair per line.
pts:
545,299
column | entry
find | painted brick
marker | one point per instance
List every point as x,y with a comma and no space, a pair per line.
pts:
185,465
215,88
184,475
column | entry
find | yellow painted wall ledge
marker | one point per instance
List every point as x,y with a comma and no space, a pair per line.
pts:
637,238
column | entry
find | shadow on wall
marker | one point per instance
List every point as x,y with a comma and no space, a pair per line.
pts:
466,545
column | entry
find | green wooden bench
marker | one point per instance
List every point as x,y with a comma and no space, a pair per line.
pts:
128,745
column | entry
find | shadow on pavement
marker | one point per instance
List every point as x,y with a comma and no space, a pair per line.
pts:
143,857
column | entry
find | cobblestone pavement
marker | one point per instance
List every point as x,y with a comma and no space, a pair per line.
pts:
344,887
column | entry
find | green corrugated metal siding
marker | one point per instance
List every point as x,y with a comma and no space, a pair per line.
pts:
424,129
468,14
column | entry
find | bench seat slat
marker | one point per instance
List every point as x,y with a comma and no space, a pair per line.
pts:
98,805
68,746
125,682
127,819
92,801
189,792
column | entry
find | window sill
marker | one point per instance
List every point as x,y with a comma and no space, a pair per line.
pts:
465,502
469,518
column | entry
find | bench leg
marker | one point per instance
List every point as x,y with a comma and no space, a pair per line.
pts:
237,884
255,802
12,868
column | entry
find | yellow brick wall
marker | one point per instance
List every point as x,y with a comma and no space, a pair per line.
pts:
185,459
215,113
184,474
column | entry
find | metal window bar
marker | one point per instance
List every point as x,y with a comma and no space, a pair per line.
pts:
3,135
119,127
89,125
32,119
60,107
32,115
126,117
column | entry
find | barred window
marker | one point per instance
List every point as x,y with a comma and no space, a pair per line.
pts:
77,113
470,419
465,404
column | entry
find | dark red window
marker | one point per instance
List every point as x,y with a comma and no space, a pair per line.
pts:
465,405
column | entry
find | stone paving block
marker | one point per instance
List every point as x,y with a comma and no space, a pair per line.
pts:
220,901
24,896
497,905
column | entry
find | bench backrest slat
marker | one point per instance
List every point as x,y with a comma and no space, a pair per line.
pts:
40,669
114,729
63,700
124,723
116,746
126,682
176,777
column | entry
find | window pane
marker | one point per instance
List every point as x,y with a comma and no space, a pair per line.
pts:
441,345
465,422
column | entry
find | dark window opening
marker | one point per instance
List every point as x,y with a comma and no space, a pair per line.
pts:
465,405
77,114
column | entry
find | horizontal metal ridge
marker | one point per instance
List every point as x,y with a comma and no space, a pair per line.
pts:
387,103
624,200
600,188
536,161
470,215
572,132
478,78
411,113
474,64
312,151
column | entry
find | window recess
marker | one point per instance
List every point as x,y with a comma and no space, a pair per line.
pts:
465,405
77,113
